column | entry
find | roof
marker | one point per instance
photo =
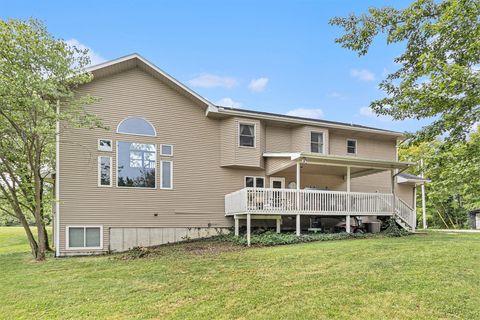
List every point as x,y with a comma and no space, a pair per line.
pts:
341,160
312,120
405,177
136,60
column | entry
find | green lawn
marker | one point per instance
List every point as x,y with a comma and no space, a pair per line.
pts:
435,276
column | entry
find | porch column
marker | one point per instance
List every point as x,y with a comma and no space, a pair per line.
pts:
298,198
347,224
279,221
237,227
298,224
348,188
393,189
249,225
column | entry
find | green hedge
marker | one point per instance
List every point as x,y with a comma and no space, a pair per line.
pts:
271,238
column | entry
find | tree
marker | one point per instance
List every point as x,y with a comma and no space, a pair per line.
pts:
38,77
439,72
454,172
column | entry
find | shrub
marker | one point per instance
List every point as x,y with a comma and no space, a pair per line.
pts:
270,238
394,230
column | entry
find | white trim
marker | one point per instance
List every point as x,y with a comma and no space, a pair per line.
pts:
156,69
99,170
254,124
323,141
254,181
161,174
100,148
356,147
166,155
116,167
285,119
281,179
137,134
67,232
57,185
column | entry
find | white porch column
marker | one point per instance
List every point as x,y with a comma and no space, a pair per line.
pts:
279,221
347,223
392,172
349,178
237,227
298,175
249,225
298,224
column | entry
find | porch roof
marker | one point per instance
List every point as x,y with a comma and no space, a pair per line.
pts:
370,166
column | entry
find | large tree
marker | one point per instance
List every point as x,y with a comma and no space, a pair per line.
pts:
454,172
38,77
439,70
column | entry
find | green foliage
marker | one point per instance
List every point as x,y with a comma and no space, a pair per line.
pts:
394,230
270,238
438,75
39,74
454,171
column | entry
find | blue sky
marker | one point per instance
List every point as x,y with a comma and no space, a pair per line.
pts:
274,56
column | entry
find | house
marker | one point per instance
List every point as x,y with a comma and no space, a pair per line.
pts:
173,166
474,216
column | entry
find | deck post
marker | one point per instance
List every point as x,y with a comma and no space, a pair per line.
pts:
348,188
347,224
237,227
393,190
249,225
298,224
279,221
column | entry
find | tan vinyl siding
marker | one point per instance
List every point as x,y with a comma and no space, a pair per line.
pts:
366,147
301,138
278,139
406,193
199,183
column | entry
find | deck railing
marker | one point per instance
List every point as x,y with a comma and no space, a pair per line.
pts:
291,201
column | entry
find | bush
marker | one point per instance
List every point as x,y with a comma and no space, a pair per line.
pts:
270,238
394,230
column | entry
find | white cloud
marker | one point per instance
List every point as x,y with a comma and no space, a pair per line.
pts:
95,58
258,85
208,80
368,112
306,113
362,74
228,102
337,95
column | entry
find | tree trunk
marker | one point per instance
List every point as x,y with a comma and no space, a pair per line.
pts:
30,237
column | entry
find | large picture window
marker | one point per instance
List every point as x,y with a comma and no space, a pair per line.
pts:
136,163
316,142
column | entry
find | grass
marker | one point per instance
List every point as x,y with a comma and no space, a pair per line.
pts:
434,276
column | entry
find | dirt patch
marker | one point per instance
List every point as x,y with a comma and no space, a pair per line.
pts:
196,247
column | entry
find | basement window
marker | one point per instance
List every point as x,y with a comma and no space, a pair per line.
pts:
84,237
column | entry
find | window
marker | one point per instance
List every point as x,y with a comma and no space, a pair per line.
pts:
104,145
88,237
136,163
316,142
167,174
166,150
351,146
247,135
254,182
104,171
136,126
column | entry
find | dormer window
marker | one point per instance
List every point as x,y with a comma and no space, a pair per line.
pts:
247,135
351,146
316,142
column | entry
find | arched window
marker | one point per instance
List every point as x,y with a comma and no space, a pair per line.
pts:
138,126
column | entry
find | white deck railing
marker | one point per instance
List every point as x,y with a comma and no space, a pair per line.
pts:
311,202
291,201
